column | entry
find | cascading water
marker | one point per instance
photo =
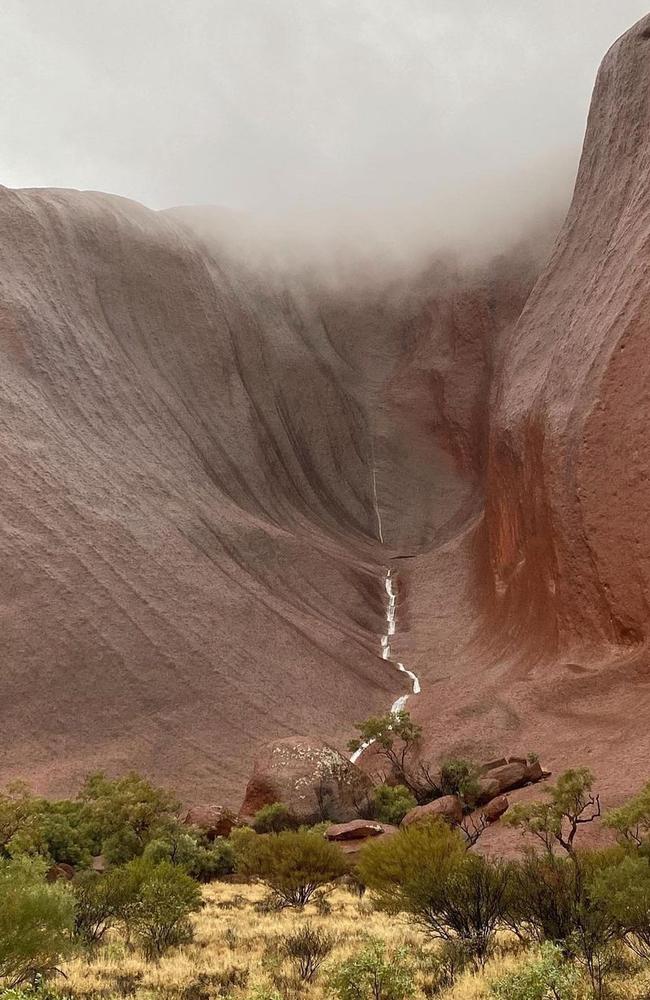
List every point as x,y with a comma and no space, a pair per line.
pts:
391,624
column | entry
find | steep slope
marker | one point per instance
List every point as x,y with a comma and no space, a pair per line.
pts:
196,460
554,577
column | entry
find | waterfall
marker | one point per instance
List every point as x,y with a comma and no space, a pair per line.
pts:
391,618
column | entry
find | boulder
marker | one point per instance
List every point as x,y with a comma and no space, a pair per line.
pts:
449,808
495,809
356,829
354,845
487,789
503,778
213,821
503,775
498,762
535,772
311,778
60,871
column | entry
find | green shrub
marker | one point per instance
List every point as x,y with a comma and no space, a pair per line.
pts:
125,814
392,802
36,921
274,818
631,821
541,899
100,901
545,976
426,872
459,776
293,864
203,861
307,949
570,804
624,890
441,969
374,974
161,898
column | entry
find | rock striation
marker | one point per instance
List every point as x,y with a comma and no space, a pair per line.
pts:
195,452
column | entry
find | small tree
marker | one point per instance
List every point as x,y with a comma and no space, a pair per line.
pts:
293,864
571,804
36,921
392,802
395,737
374,974
161,899
631,821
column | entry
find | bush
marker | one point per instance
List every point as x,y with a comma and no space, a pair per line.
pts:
374,975
307,949
624,890
459,776
426,872
125,814
391,803
161,899
293,864
222,984
545,976
541,898
203,861
631,821
441,969
100,901
274,819
36,921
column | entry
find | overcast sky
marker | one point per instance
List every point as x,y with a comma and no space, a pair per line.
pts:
291,106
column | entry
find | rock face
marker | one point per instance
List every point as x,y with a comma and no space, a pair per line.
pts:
448,807
213,821
311,778
541,603
206,470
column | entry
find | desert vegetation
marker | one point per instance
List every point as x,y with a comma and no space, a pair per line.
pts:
112,894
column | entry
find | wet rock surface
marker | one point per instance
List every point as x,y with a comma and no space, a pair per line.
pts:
311,778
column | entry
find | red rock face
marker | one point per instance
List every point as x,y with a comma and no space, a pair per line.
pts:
198,462
552,599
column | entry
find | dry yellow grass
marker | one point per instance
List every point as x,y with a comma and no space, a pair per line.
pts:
230,934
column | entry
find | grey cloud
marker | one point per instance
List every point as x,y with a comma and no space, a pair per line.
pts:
407,114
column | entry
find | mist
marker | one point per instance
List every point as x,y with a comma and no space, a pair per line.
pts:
397,123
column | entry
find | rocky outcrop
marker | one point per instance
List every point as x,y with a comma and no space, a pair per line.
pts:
448,807
213,821
357,829
353,837
313,779
505,774
194,455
